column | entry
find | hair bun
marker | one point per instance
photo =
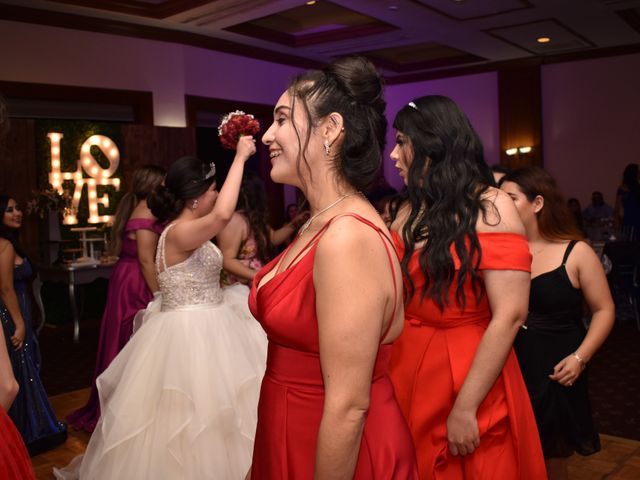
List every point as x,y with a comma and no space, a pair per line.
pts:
352,87
164,204
359,78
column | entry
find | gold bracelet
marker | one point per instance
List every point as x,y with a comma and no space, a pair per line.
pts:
580,359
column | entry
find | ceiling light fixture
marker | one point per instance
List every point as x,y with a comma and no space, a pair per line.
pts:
311,2
543,39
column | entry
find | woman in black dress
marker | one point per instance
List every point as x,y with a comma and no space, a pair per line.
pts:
553,347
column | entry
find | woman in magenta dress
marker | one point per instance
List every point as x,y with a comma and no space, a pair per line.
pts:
331,303
133,281
466,267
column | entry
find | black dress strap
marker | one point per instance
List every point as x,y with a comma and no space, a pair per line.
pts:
572,244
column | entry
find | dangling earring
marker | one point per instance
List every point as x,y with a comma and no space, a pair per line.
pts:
195,204
327,148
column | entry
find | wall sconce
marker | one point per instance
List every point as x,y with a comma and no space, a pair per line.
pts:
517,150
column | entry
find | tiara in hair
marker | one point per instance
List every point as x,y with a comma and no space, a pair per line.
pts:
212,171
413,105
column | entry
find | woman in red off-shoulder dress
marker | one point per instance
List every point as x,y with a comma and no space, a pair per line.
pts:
466,265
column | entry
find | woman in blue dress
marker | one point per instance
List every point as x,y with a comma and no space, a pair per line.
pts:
31,410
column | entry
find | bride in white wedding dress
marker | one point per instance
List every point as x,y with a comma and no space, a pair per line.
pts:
179,401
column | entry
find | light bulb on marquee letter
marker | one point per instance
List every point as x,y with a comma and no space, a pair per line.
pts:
91,167
54,176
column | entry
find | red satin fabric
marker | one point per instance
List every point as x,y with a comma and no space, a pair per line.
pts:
430,362
14,459
292,395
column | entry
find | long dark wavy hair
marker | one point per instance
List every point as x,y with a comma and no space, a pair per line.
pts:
446,180
630,179
7,233
252,201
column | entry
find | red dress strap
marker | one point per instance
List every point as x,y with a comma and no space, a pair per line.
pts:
383,237
315,238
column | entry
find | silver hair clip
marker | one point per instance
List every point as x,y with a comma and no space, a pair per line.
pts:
212,172
413,105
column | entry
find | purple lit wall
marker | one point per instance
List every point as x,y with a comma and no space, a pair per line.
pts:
52,55
477,95
590,108
591,123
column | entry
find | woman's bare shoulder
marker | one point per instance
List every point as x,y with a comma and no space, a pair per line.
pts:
142,210
499,213
239,221
582,251
350,233
6,249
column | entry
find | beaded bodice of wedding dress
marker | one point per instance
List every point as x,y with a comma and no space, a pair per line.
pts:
194,281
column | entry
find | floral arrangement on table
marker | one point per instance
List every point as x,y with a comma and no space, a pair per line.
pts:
49,200
234,125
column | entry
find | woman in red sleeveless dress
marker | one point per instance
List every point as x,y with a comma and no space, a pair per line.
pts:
466,266
331,303
14,459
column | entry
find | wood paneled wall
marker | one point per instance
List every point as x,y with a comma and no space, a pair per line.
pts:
520,110
146,144
18,176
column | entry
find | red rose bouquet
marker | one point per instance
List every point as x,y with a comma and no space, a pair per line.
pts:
234,125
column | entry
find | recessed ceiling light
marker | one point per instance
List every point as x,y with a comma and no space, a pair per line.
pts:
393,7
543,39
311,2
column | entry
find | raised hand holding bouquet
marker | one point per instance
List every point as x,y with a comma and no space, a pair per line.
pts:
234,125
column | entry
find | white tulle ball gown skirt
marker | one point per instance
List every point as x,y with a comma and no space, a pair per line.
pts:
180,400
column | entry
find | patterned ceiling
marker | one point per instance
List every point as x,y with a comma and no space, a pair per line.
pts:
408,39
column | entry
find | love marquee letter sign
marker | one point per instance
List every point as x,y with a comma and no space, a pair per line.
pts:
97,175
